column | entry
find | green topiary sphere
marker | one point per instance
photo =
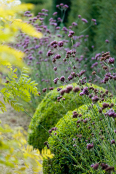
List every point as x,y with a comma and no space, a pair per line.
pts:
50,111
69,141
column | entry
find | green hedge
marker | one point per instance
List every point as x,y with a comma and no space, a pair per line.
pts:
49,112
62,142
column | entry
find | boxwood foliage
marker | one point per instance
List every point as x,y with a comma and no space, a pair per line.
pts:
50,111
69,142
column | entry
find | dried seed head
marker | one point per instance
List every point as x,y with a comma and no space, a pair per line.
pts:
93,73
105,67
104,166
109,169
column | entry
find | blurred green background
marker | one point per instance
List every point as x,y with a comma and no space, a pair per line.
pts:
103,11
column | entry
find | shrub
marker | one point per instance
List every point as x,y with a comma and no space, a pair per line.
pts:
71,142
49,111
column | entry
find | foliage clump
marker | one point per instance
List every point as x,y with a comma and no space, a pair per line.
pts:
18,88
51,109
80,143
16,155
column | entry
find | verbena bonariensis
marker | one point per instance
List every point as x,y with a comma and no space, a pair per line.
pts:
59,53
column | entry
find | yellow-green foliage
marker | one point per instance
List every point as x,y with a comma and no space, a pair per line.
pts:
18,88
15,87
16,156
50,111
9,27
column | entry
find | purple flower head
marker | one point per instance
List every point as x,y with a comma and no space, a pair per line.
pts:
59,19
61,4
76,89
82,72
75,114
92,165
50,131
107,41
53,43
55,68
57,6
55,80
70,77
90,146
68,88
37,63
84,20
85,120
94,20
65,6
95,166
44,90
113,141
27,12
105,105
81,93
62,78
111,60
111,113
74,24
97,56
57,56
58,89
51,19
85,91
53,23
43,10
95,99
51,88
71,32
55,13
40,52
60,43
41,19
94,65
49,53
30,58
74,145
69,35
79,16
62,91
64,29
57,28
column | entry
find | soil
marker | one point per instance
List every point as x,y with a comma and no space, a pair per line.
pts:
16,119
